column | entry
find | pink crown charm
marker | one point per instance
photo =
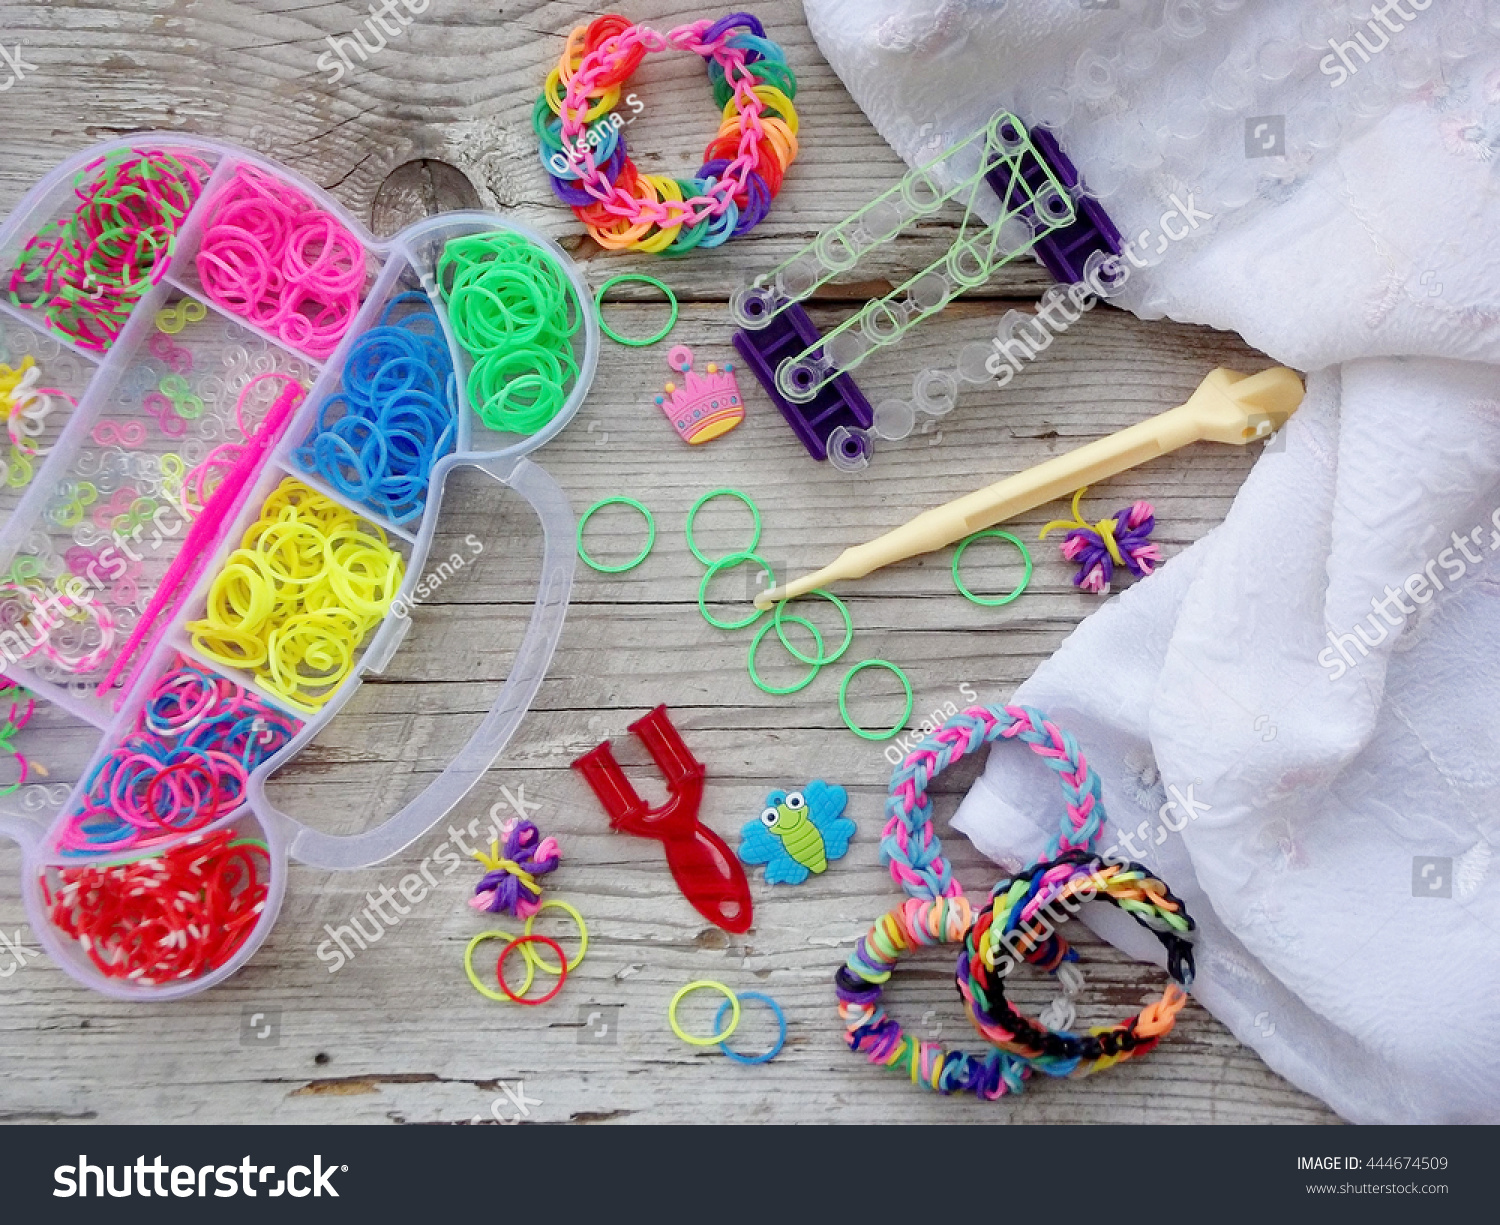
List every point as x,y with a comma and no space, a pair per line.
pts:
706,405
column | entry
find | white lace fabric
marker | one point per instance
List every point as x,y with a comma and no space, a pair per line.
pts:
1296,719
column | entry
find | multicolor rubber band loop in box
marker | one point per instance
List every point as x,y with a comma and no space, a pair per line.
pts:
704,984
937,912
844,693
618,500
195,743
983,600
726,563
166,917
642,279
708,497
583,151
10,725
85,273
780,1016
189,798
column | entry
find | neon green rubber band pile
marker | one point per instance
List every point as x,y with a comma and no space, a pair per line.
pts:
514,310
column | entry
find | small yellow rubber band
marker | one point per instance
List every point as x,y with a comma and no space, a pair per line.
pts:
583,936
1105,528
666,189
700,985
474,978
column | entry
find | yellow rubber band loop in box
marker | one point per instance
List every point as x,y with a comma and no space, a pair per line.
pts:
295,601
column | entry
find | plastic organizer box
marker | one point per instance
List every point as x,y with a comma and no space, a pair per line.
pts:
121,390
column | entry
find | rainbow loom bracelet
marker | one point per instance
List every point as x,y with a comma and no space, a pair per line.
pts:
583,151
1022,917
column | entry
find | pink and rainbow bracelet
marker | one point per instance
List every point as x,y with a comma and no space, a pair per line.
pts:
1019,917
584,152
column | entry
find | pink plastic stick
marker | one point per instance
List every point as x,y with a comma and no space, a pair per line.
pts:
222,506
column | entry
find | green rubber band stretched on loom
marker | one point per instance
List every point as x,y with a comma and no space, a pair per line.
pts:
725,563
795,685
643,279
844,693
822,659
708,497
1005,599
618,500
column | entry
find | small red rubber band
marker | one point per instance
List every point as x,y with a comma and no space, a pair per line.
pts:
213,794
520,940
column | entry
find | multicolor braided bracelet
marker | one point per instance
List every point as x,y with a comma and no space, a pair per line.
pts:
584,153
860,983
938,913
1022,917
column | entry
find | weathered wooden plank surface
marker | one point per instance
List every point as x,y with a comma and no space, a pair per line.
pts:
441,119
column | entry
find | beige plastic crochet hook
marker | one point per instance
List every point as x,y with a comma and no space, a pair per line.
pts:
1227,407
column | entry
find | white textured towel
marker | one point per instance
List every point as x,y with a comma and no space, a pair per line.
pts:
1296,720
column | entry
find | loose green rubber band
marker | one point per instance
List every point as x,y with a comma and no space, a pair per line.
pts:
844,692
641,278
822,659
721,493
793,688
1005,599
725,563
639,557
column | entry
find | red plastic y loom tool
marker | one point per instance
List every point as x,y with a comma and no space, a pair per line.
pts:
704,868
